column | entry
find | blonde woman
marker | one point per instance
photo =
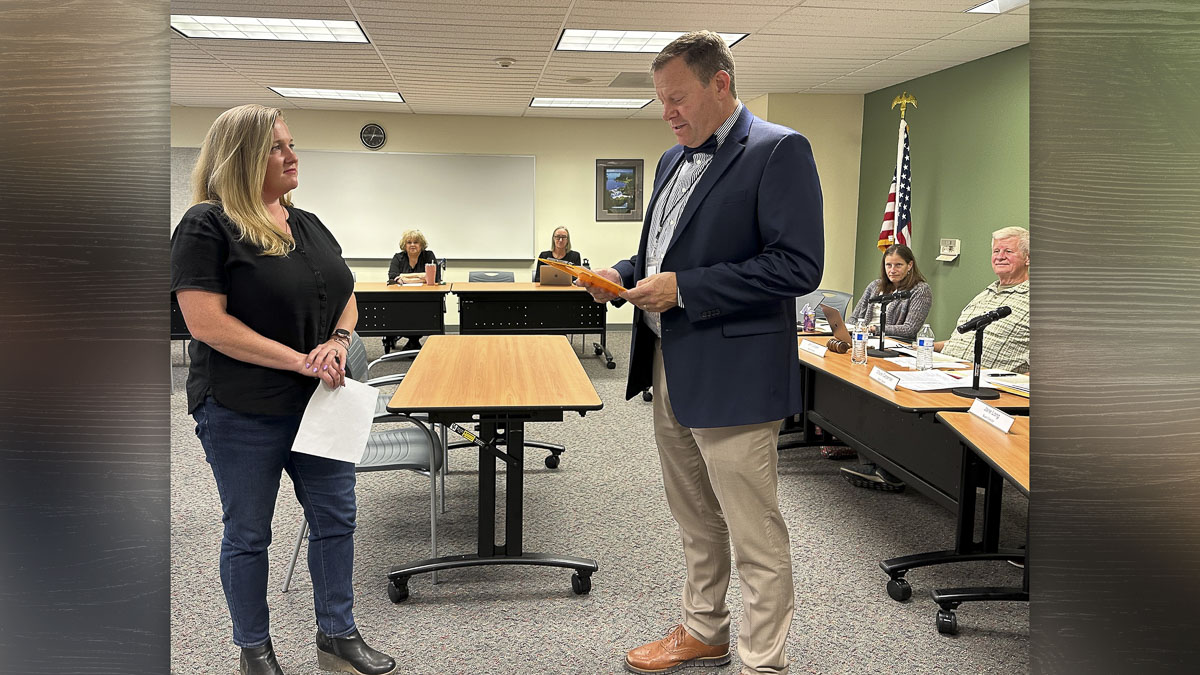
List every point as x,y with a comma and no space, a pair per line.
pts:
408,266
269,302
560,249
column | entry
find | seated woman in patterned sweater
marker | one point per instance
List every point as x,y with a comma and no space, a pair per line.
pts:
897,272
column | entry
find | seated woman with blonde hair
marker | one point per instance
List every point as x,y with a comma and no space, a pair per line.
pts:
560,249
408,267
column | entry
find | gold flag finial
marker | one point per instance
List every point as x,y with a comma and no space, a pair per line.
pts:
903,100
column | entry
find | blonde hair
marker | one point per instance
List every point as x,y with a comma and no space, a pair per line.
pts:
414,235
230,172
554,232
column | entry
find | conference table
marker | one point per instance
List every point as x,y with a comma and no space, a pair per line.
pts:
526,308
990,456
396,309
499,382
896,429
899,430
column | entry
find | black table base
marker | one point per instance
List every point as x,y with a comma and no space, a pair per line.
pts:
509,428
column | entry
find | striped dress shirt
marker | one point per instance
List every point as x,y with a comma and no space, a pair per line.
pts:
675,194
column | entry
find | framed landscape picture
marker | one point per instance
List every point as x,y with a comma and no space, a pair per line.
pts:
618,189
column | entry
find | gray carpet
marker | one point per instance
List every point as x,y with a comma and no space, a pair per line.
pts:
604,502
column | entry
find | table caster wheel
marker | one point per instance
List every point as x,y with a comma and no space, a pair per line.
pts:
581,583
599,351
611,365
398,590
647,396
899,589
947,622
552,461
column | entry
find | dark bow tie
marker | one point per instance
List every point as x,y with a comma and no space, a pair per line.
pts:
708,147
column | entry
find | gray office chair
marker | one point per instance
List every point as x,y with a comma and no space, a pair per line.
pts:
414,448
839,300
490,275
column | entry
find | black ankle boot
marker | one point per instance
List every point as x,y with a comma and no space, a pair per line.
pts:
259,661
351,655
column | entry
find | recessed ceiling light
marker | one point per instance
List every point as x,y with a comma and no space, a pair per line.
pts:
997,6
251,28
577,40
589,102
343,94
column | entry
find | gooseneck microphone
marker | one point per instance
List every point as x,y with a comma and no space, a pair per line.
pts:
895,295
978,324
883,301
985,319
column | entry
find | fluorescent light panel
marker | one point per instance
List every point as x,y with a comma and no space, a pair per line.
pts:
343,94
577,40
542,102
997,6
251,28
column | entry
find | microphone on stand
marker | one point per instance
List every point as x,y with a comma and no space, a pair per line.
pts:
896,295
883,301
985,319
978,324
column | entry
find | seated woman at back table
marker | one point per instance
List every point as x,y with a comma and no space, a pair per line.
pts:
897,272
408,266
560,249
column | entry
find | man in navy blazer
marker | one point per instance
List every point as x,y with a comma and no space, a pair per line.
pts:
733,234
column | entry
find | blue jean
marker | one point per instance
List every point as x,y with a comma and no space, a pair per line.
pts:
247,453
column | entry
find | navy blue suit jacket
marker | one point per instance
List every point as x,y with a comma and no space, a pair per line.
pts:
750,240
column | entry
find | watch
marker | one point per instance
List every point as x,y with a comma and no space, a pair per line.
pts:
341,334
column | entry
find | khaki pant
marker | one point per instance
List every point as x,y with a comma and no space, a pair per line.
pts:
721,486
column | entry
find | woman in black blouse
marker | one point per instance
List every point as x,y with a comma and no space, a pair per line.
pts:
560,249
408,266
269,302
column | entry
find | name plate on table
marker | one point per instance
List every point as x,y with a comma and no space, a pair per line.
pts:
813,348
884,377
997,418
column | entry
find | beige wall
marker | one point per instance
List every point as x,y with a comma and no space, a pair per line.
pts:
566,152
833,124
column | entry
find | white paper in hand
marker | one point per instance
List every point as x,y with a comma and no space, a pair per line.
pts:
337,422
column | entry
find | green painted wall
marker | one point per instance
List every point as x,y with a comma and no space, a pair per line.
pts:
969,139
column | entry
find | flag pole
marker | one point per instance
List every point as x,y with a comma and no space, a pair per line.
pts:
890,228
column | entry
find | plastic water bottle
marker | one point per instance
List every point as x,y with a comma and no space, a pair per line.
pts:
858,350
925,348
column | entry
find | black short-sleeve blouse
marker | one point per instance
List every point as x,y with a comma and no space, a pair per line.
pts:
294,299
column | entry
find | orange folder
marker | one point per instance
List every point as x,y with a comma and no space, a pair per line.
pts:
585,274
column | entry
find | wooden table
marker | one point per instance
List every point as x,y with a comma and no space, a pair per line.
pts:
525,308
990,456
894,429
501,382
385,310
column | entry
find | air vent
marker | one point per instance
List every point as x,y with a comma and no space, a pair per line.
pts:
633,80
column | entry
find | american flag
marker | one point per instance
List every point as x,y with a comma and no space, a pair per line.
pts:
897,215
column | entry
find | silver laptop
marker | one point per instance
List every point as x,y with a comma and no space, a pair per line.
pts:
552,276
836,325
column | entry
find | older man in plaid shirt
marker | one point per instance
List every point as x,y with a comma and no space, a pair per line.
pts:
1005,342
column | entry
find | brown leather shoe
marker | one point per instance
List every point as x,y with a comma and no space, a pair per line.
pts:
677,651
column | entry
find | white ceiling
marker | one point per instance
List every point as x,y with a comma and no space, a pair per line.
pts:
440,54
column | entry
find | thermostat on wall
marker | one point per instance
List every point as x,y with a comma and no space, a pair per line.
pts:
948,250
373,136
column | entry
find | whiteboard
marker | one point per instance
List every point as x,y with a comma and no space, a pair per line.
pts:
468,206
